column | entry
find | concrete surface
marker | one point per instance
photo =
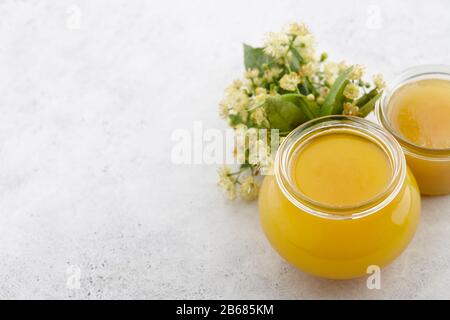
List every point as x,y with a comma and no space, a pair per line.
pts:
90,91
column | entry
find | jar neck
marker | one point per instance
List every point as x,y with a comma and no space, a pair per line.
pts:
329,125
382,109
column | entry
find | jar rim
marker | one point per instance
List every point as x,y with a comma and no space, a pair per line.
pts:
328,124
410,75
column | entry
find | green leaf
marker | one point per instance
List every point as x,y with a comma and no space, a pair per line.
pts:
368,107
255,58
366,98
283,114
296,60
308,107
234,119
306,87
311,87
339,103
303,88
333,101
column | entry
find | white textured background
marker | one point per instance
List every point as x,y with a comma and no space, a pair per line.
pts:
86,115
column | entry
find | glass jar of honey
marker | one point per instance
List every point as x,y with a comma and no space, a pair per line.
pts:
415,108
341,198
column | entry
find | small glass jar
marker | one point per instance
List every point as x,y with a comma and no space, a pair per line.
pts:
431,167
339,242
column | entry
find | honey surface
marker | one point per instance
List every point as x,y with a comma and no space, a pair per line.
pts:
341,169
420,112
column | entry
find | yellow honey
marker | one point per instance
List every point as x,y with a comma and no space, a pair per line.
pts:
342,199
341,169
415,108
420,112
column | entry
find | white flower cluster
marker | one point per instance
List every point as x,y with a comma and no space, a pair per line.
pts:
287,63
248,188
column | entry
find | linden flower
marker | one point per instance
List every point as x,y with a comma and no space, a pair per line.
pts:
330,69
263,158
257,81
267,168
260,97
260,91
259,117
240,145
351,91
249,189
305,46
240,129
290,81
252,139
277,44
259,153
251,73
243,114
330,79
245,102
236,85
246,139
323,93
357,73
308,53
350,109
223,110
320,100
230,189
379,81
309,69
227,183
342,66
298,29
237,100
272,74
224,174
